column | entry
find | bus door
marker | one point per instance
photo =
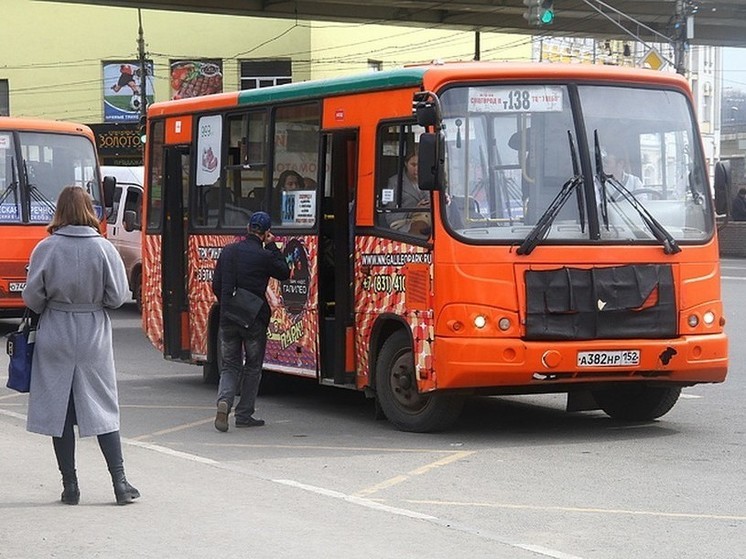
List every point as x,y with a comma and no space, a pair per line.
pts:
174,253
339,152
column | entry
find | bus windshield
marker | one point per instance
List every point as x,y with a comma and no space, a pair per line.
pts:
36,166
625,153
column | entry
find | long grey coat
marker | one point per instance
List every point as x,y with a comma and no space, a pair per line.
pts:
73,275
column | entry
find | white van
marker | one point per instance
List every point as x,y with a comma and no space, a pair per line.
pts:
125,222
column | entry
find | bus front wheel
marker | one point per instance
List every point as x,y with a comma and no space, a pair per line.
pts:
396,390
637,402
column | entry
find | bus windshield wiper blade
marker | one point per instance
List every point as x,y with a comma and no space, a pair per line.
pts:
38,196
547,218
601,176
659,232
576,172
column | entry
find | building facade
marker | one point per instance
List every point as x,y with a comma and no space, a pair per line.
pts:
82,63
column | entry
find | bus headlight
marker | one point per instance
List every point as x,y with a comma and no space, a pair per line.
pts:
708,318
480,321
693,320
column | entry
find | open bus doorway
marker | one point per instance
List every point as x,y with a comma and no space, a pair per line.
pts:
336,241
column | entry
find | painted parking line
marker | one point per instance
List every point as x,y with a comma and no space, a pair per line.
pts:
359,501
589,510
458,455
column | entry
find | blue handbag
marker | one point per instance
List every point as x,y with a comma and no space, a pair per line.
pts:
20,349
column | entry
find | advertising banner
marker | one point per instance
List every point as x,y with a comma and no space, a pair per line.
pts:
208,149
122,97
194,78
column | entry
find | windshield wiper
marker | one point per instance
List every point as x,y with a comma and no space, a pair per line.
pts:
659,232
37,195
601,178
545,222
576,172
542,226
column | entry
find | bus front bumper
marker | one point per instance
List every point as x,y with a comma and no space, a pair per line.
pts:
490,362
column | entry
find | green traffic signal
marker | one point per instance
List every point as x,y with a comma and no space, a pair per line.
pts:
539,12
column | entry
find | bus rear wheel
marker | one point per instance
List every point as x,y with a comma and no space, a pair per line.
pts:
637,402
396,390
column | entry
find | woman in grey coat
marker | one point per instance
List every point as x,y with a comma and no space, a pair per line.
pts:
73,276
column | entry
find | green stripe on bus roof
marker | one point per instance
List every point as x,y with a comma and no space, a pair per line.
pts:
403,77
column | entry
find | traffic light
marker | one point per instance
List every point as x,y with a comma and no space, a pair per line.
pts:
142,129
539,12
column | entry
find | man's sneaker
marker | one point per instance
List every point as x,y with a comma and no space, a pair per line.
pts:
221,418
252,422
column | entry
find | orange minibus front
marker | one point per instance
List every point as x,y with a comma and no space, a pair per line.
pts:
37,159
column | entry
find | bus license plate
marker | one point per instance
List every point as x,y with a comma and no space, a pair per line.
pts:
16,286
622,358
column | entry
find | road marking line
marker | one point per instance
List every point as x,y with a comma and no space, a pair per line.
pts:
416,472
343,448
174,429
540,549
579,509
13,414
737,278
356,500
12,396
171,452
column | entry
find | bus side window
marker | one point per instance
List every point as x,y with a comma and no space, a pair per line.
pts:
400,204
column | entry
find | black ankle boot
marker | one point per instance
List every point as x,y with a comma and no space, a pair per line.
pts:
70,491
123,491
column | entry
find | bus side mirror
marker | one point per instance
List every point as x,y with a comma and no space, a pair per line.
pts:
110,184
431,161
722,187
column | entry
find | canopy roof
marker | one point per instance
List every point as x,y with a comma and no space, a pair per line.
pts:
716,22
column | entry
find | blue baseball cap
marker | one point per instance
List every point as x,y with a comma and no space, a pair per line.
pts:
260,222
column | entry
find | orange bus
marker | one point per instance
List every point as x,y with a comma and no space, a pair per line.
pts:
555,233
37,159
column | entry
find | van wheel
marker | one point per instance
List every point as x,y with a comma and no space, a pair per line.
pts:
396,390
637,402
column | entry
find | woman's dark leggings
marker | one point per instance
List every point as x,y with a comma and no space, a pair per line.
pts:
64,447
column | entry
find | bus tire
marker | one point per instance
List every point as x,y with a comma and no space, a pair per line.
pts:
637,402
210,372
137,290
396,391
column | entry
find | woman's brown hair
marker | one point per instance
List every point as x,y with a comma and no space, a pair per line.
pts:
74,207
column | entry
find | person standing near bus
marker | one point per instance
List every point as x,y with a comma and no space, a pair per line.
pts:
247,264
73,277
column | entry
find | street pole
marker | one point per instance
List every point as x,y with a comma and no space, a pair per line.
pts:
143,70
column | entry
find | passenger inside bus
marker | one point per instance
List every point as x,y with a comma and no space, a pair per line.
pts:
416,222
288,181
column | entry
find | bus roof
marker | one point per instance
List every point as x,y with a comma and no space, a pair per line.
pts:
41,125
430,75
